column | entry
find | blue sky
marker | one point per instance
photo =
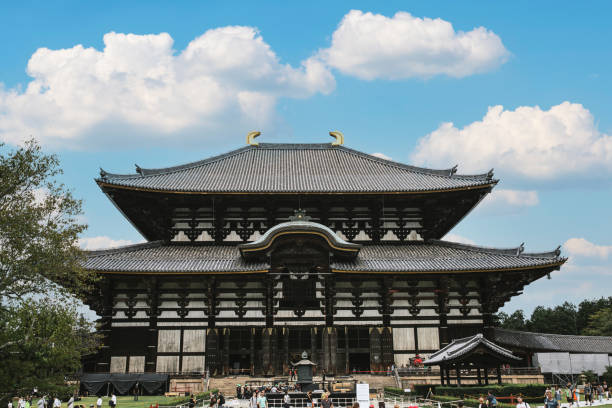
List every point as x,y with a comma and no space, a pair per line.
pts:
524,87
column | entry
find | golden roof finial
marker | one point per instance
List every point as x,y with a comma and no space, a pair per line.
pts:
251,137
339,137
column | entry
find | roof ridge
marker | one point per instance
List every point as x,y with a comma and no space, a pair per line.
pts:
516,251
124,248
451,172
552,334
142,172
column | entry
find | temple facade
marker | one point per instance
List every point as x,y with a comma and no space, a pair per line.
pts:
259,254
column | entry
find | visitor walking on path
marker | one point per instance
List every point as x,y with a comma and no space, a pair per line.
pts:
491,400
262,402
253,400
521,403
550,401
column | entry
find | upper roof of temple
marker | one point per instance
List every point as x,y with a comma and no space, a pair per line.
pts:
296,168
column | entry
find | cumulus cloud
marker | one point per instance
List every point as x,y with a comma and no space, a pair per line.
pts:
458,238
501,201
529,142
582,247
371,46
102,242
139,88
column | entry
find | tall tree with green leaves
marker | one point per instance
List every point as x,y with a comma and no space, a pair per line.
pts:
600,323
40,272
39,226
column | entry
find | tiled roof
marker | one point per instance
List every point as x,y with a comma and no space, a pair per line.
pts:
155,257
461,347
286,168
553,342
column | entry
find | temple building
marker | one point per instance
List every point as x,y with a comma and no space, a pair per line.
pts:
269,250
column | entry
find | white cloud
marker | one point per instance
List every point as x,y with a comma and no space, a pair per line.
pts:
582,247
371,46
139,88
528,142
458,238
382,156
102,242
506,202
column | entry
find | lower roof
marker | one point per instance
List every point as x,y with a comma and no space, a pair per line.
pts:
461,349
412,257
556,343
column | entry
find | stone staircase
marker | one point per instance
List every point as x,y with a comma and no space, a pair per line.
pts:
227,385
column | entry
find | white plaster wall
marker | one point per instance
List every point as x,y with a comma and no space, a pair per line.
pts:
194,341
137,364
403,338
429,338
168,341
167,364
118,364
193,364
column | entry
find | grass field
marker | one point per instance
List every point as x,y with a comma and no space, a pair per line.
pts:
128,401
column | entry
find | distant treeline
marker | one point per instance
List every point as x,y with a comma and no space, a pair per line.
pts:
590,317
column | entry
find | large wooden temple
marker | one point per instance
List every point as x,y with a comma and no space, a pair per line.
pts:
259,254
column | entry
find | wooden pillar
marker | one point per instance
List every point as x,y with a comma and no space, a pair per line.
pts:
105,324
226,342
448,382
486,376
442,310
458,373
286,364
499,379
269,301
252,350
211,302
153,312
346,350
313,345
385,301
478,375
441,374
329,291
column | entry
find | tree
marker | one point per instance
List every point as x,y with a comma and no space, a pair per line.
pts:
600,323
560,320
39,227
607,375
587,308
42,341
515,321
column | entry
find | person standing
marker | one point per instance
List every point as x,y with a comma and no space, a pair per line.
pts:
253,399
41,402
491,400
57,403
588,393
262,402
309,401
600,392
71,402
10,403
286,400
558,394
326,402
606,391
521,403
221,401
99,402
549,400
113,400
192,401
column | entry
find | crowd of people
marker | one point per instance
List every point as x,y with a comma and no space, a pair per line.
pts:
55,402
555,397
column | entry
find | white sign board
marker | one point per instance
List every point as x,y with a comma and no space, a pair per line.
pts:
363,395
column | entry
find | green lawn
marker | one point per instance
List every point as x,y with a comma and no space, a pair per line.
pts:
128,401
